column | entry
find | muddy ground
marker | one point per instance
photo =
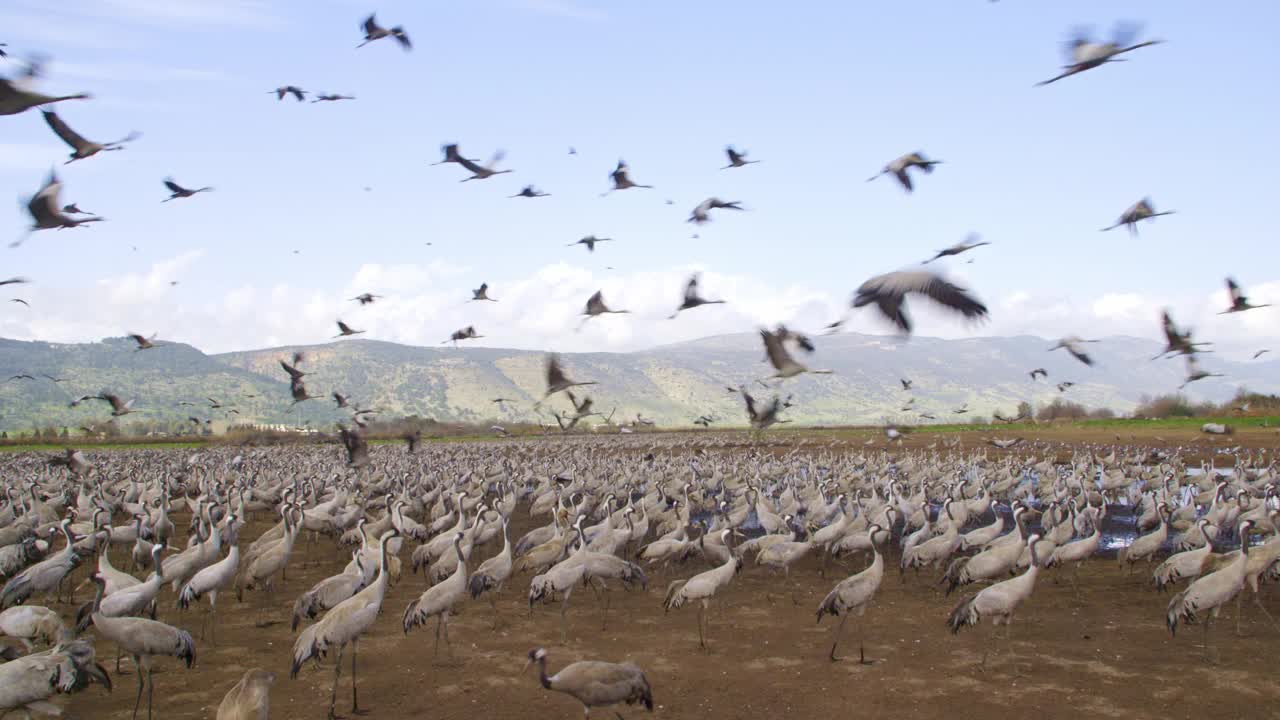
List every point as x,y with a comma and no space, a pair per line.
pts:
1102,653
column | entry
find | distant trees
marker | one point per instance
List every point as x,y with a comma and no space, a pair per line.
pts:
1061,409
1167,406
1025,410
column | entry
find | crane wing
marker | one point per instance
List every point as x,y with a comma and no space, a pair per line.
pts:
778,355
64,131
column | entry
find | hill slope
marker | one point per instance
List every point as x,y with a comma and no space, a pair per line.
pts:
672,384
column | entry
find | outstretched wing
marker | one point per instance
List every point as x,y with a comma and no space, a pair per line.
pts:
64,131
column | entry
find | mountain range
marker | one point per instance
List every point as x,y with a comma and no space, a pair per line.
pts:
672,384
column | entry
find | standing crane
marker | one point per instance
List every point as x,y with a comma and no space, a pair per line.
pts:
344,624
561,578
143,639
213,578
703,586
1204,598
46,575
854,593
439,599
493,573
998,601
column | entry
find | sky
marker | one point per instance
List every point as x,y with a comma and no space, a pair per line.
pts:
316,203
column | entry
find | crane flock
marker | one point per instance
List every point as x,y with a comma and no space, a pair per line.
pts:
619,510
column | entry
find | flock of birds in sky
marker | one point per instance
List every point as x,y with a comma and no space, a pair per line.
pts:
888,293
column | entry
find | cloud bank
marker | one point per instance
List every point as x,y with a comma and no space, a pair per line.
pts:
422,304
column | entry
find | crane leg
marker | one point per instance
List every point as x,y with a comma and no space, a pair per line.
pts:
435,649
564,607
355,701
333,693
1258,601
862,650
213,618
1207,655
448,644
835,637
151,687
1239,599
493,603
702,640
137,663
1013,656
986,649
608,598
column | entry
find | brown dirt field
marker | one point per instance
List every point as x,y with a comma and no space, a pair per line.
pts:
1105,653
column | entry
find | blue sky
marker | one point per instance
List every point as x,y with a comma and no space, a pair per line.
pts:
822,93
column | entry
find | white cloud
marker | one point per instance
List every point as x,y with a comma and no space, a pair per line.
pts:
1122,306
423,304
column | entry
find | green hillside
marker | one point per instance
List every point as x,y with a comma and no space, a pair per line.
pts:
672,384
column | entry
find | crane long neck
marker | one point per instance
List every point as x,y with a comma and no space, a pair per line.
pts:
97,599
383,563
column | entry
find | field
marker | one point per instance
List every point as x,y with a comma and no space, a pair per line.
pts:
1103,652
